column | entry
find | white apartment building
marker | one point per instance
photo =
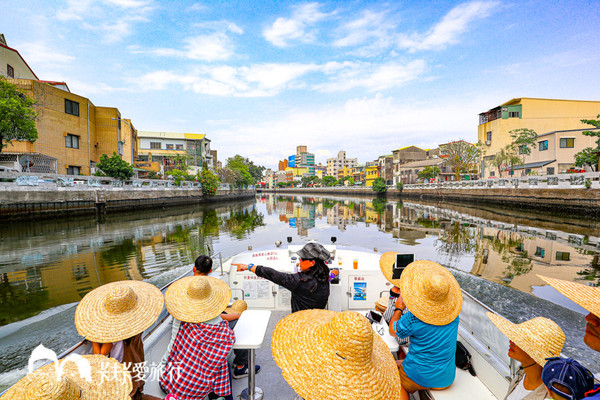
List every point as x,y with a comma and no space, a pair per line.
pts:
335,164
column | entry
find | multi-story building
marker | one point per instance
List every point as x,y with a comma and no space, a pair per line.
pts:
371,172
305,159
554,153
72,132
409,172
335,164
171,148
283,164
541,115
344,171
12,65
386,168
358,173
405,155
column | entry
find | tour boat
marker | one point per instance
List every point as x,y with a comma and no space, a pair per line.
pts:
358,286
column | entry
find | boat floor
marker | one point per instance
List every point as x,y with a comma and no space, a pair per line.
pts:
269,379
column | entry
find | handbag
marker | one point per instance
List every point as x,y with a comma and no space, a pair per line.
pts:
463,358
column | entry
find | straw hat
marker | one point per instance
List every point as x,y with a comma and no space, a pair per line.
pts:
430,292
118,310
238,306
327,355
382,303
386,264
110,380
197,298
586,296
539,337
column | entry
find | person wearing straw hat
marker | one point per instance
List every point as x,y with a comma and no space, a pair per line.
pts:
109,380
434,300
197,365
203,267
531,343
121,311
329,355
587,297
310,286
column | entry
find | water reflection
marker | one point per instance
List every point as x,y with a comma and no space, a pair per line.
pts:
41,270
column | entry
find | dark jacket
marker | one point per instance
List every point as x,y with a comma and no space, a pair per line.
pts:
307,291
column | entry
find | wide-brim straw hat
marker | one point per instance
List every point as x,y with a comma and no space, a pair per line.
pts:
586,296
238,306
539,337
386,264
118,310
197,298
430,292
328,355
109,380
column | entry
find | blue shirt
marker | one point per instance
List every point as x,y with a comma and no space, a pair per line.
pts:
593,394
430,360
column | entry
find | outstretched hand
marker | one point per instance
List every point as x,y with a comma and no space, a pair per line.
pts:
241,267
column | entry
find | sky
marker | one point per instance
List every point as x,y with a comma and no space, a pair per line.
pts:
261,77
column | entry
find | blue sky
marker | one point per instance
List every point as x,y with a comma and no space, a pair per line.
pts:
261,77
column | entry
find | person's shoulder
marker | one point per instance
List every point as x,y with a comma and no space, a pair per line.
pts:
594,393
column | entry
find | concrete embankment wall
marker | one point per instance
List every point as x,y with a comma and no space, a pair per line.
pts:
19,202
577,201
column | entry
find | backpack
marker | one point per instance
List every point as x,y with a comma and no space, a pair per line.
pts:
463,358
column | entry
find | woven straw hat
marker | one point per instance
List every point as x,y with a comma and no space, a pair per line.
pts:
238,306
382,303
430,292
327,355
197,298
110,380
118,310
539,337
586,296
386,264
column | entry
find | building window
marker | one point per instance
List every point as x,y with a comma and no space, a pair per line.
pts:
523,149
71,107
72,170
492,173
178,147
563,256
10,71
567,143
550,171
488,138
513,114
72,141
155,145
543,145
539,252
169,147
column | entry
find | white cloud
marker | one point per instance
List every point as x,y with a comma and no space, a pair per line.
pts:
265,80
48,62
372,27
364,127
285,30
448,30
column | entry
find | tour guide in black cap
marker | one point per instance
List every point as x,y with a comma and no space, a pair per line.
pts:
310,286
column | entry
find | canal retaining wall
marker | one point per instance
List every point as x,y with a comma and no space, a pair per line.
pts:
579,201
48,198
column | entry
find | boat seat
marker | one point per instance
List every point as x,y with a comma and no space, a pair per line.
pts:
465,386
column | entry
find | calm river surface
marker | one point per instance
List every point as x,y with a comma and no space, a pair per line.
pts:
47,267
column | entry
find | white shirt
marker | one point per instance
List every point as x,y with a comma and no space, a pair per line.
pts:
520,392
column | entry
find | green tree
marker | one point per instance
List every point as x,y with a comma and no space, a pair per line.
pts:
589,155
307,180
240,164
329,181
399,186
379,186
428,172
115,167
506,159
350,180
209,182
523,139
17,116
180,176
462,156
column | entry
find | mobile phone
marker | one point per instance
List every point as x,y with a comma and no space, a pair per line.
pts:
402,260
373,317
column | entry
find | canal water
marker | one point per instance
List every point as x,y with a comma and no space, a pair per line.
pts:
46,267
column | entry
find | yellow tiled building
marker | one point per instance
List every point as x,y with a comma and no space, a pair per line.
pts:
541,115
371,173
72,130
